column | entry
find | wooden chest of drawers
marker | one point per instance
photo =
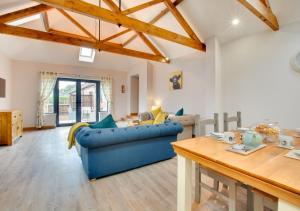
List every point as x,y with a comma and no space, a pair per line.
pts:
11,126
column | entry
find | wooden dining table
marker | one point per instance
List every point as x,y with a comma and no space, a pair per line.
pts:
267,169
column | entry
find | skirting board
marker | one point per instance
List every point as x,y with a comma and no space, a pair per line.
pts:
34,128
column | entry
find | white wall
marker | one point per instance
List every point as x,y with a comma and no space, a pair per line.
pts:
199,92
5,73
26,84
258,79
144,72
134,94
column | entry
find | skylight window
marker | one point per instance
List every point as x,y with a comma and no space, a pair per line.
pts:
25,20
87,54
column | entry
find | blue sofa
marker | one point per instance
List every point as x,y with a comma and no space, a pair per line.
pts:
108,151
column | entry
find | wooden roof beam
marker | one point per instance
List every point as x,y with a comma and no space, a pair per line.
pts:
111,5
57,32
130,39
76,23
182,21
262,9
153,21
72,40
116,35
114,7
20,14
141,7
116,18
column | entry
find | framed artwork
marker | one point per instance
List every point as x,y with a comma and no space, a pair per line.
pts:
175,80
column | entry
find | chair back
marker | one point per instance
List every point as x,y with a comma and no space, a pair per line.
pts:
237,119
201,125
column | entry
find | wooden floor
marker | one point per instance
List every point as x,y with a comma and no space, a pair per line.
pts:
39,173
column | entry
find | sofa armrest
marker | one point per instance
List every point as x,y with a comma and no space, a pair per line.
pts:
95,138
185,120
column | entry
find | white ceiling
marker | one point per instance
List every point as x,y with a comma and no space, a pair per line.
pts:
207,17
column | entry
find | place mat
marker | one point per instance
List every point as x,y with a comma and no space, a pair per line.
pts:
285,147
246,152
292,155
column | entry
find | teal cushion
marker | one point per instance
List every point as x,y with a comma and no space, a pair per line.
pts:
107,122
179,112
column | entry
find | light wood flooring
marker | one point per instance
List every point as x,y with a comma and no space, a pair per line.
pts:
39,173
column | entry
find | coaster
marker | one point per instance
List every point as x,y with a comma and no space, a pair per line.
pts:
285,147
292,155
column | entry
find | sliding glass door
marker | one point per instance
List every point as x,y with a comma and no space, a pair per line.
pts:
89,101
76,100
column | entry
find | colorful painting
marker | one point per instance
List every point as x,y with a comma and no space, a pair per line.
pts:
175,80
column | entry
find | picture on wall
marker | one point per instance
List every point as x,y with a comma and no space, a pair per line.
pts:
175,80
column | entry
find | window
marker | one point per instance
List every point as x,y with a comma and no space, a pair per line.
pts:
103,101
87,54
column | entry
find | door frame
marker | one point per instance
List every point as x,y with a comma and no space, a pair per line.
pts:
78,99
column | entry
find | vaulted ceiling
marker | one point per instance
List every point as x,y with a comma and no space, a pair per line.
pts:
206,17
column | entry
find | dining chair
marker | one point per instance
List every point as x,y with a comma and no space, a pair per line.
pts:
227,120
200,130
262,200
200,127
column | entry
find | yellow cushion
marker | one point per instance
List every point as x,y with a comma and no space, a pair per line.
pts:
156,111
160,118
147,122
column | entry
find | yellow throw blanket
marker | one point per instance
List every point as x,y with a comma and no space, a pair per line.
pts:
74,128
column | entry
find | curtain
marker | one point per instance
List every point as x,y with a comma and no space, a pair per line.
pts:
47,83
106,85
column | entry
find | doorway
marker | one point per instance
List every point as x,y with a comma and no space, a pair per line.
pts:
134,95
76,100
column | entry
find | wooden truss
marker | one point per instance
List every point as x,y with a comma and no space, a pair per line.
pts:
262,9
114,16
117,16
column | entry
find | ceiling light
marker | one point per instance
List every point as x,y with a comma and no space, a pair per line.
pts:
87,54
25,20
235,22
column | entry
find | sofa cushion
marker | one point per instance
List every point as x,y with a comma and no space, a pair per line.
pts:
179,112
160,118
107,122
156,111
185,120
146,116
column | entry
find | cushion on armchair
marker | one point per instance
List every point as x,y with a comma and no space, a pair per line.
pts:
179,112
